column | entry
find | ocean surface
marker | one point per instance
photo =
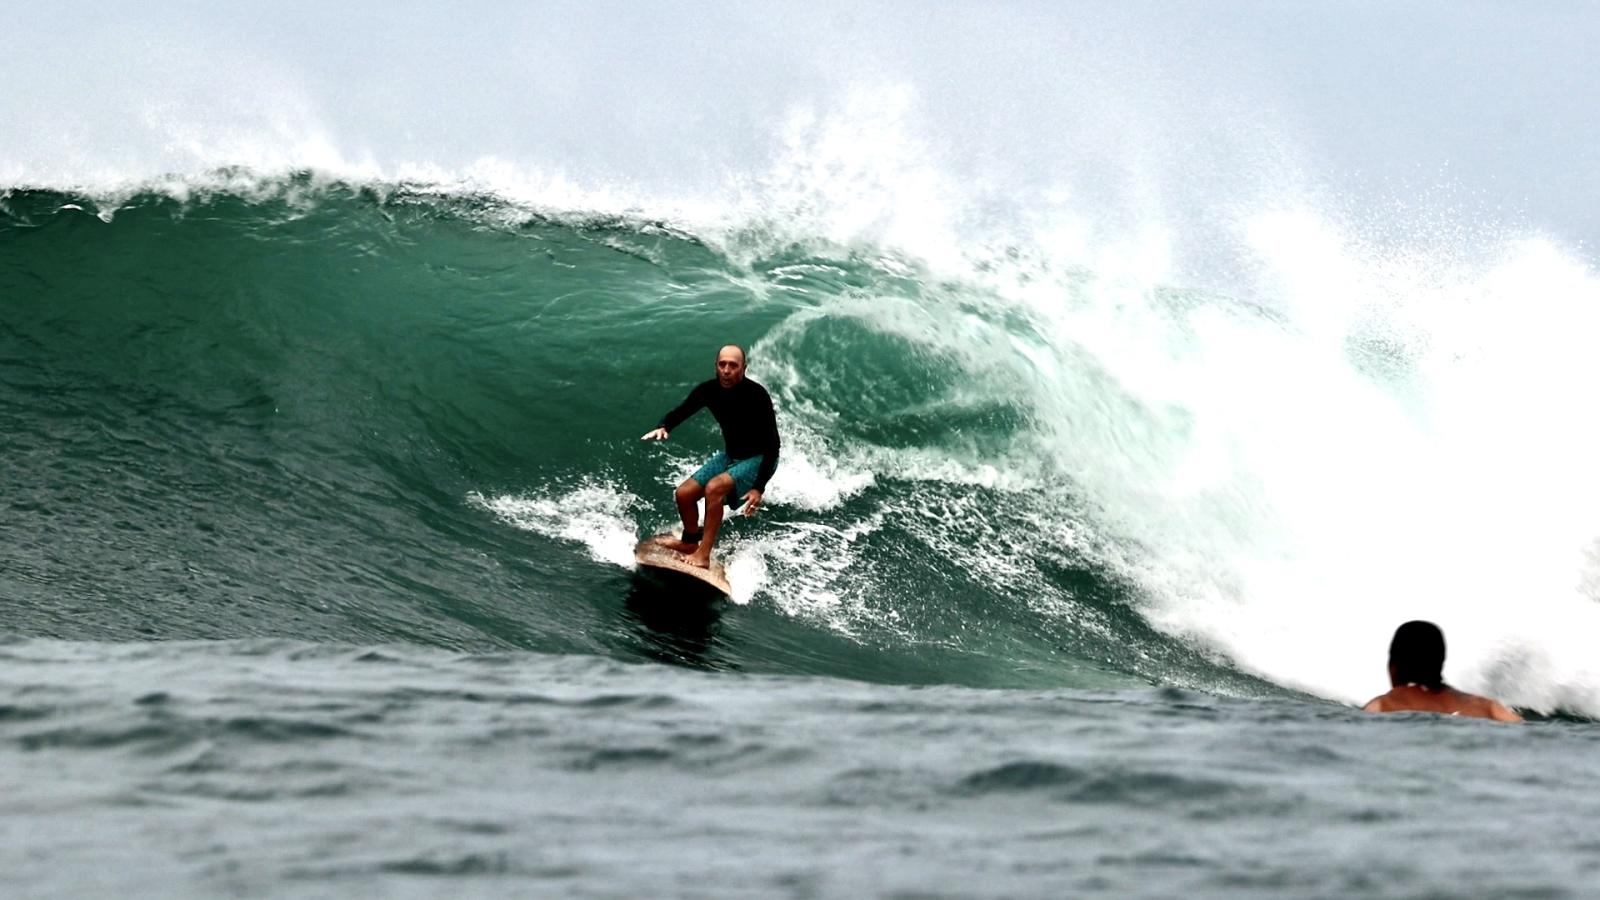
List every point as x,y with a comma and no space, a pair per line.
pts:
1119,434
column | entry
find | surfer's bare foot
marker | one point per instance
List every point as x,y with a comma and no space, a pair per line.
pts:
677,545
699,560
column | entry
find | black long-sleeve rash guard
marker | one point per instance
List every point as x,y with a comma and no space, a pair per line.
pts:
749,425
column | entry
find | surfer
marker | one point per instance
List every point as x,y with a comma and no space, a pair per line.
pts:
737,473
1416,669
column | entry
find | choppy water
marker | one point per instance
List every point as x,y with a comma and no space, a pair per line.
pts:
1118,438
274,767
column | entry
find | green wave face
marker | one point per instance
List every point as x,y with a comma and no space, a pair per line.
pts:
340,413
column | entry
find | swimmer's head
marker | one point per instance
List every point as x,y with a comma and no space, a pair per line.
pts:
1416,655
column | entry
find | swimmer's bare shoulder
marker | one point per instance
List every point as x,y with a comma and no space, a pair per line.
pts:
1449,702
1494,709
1378,704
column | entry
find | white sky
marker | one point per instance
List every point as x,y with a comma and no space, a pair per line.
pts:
1482,109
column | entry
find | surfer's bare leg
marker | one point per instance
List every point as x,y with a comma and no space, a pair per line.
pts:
688,497
716,492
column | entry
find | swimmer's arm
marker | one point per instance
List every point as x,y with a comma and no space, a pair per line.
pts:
1376,704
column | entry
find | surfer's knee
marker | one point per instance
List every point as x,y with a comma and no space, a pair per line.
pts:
718,487
690,490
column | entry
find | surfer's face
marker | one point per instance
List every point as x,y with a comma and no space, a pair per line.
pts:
730,366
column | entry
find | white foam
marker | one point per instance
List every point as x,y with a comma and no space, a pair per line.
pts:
1306,507
811,485
596,516
809,571
747,574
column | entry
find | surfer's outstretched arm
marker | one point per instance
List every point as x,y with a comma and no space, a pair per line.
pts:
691,404
655,434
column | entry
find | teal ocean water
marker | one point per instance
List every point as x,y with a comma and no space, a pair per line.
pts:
1122,424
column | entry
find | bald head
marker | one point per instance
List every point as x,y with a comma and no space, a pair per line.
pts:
730,365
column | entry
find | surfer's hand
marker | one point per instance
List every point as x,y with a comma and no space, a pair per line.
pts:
657,434
752,502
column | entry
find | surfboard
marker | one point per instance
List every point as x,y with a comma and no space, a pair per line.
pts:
654,556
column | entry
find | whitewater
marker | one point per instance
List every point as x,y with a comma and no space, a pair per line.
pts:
1135,382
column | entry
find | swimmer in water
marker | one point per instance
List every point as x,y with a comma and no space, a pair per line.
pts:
1416,669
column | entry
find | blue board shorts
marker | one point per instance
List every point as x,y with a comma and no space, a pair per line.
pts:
742,471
